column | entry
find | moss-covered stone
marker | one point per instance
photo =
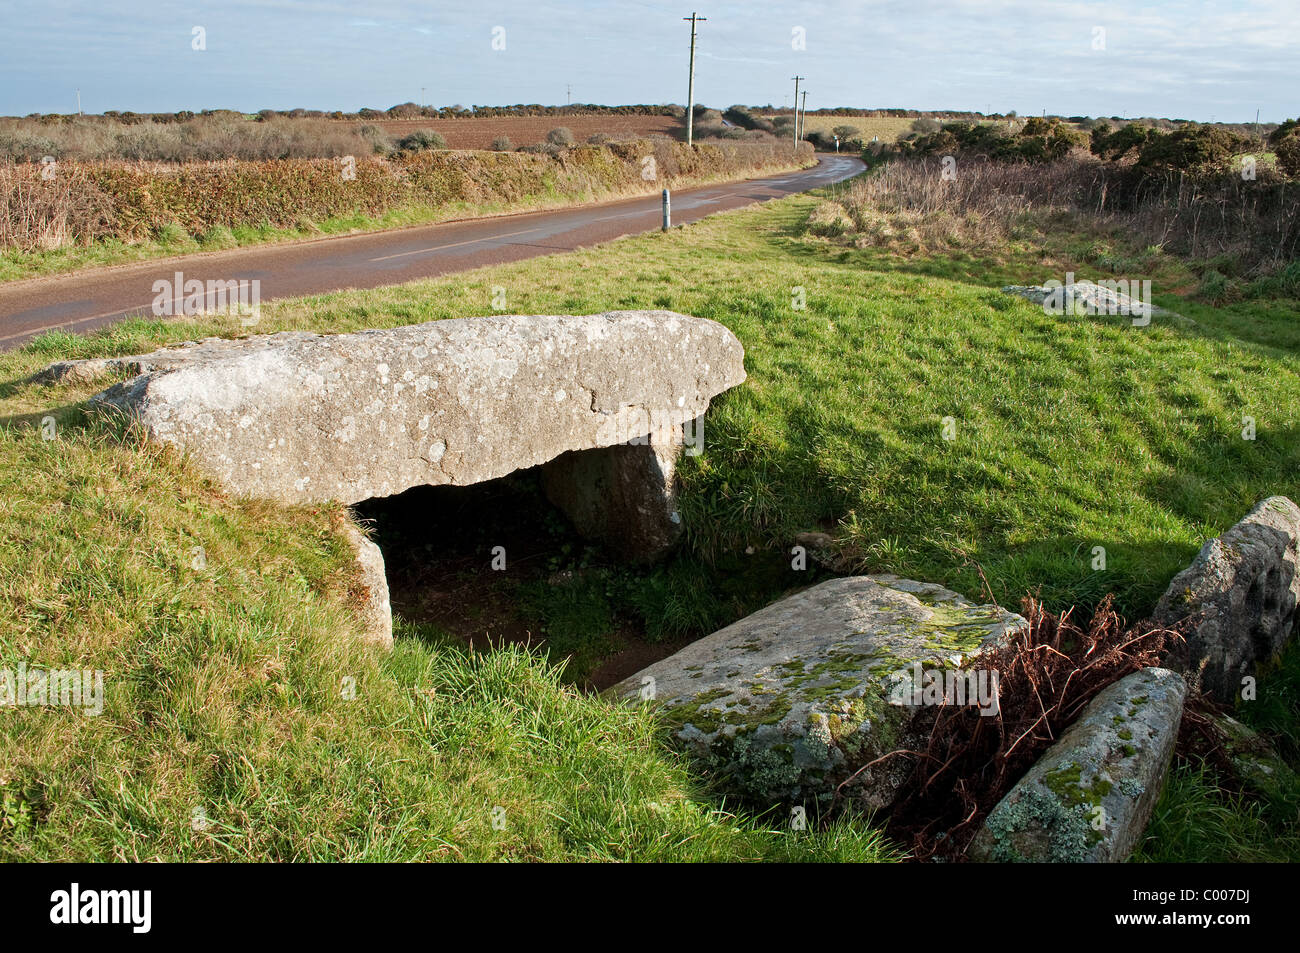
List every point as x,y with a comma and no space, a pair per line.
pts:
786,704
1090,795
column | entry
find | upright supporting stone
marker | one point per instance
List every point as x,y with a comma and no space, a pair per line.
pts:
625,496
375,611
1242,588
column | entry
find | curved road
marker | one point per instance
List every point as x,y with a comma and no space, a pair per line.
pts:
91,299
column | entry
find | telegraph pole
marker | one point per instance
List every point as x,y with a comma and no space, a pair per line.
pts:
805,113
690,87
568,93
796,111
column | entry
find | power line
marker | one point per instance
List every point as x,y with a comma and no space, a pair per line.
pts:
690,86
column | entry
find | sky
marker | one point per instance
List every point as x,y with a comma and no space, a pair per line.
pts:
1189,60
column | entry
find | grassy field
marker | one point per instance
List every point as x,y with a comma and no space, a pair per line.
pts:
224,683
887,128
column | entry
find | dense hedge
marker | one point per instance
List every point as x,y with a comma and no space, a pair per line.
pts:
133,201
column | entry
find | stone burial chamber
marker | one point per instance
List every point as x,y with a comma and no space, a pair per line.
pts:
601,400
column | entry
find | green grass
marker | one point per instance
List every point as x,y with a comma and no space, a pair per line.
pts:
1201,819
228,732
224,686
1204,816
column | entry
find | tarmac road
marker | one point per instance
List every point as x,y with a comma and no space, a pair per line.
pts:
92,299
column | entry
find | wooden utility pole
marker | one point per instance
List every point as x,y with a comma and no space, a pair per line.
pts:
796,111
805,113
690,85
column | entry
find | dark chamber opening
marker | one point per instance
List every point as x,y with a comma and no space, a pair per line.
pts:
556,592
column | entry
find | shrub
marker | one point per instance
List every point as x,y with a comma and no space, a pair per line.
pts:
1282,131
543,149
1116,145
1287,149
820,139
561,136
742,117
378,140
422,140
1035,126
40,213
1199,148
502,144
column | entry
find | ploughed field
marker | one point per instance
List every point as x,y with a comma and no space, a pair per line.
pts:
476,133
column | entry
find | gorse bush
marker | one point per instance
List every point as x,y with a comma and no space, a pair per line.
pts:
1286,145
1180,189
1196,149
1039,140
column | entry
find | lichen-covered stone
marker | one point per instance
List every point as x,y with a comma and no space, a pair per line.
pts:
1089,797
307,417
303,417
788,702
1243,589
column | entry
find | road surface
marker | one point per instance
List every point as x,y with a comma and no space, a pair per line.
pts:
92,299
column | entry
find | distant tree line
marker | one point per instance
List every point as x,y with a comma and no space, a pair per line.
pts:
406,110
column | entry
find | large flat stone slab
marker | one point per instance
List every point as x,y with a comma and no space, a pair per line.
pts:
306,417
1110,297
1243,589
788,702
1089,797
